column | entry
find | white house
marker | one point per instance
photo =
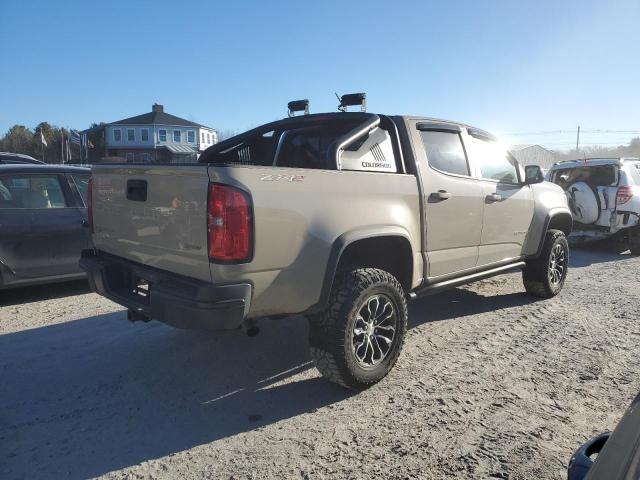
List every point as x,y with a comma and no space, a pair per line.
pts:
157,137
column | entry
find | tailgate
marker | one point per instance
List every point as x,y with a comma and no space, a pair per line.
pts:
153,214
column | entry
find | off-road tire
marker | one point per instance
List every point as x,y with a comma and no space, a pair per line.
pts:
536,276
331,333
634,241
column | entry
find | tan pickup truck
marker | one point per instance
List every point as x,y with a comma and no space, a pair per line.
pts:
340,217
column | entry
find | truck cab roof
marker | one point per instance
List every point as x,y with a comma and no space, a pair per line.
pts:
359,119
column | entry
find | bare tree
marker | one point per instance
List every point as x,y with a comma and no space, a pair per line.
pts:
225,134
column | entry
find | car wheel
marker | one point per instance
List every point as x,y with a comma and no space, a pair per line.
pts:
357,340
544,276
634,241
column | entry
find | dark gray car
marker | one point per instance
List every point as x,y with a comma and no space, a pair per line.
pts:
8,157
43,223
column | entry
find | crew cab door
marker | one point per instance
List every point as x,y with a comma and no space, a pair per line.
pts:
41,226
453,198
508,204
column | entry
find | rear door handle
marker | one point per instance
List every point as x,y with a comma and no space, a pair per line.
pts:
440,195
494,197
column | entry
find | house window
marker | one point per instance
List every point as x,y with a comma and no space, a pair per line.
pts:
117,135
177,136
208,138
191,136
144,134
162,135
130,157
145,157
202,137
131,135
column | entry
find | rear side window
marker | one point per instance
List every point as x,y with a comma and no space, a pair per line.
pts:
31,191
494,161
444,152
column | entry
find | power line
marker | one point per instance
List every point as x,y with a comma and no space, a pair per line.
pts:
572,132
586,143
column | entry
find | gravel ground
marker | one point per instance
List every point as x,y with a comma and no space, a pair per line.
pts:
491,384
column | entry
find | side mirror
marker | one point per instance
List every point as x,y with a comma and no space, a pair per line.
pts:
533,174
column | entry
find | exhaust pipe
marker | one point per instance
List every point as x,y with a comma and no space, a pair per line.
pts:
250,327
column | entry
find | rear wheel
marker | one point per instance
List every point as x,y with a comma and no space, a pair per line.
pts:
544,276
358,339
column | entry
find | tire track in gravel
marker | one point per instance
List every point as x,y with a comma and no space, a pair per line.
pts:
491,384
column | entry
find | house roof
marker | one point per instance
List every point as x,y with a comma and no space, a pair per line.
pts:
155,118
521,147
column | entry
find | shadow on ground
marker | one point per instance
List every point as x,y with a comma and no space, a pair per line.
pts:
36,293
461,302
90,396
87,397
596,252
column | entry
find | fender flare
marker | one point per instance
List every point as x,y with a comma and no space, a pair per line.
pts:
554,213
337,249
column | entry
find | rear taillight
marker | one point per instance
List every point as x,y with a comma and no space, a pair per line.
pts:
624,195
90,203
229,224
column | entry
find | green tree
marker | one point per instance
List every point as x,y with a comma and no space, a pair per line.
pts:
19,139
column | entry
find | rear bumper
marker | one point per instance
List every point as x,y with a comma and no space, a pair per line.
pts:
173,299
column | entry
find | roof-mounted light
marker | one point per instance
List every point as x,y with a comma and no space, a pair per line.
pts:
298,106
353,99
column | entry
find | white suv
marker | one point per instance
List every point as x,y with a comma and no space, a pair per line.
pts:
604,197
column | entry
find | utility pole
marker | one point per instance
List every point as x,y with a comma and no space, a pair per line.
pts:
578,140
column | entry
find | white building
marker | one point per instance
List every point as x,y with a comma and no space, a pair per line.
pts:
533,155
157,137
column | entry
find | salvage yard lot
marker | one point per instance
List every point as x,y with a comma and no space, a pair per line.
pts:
491,383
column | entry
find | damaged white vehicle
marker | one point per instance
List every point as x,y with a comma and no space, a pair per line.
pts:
604,198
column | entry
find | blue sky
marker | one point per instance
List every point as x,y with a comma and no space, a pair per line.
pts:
509,67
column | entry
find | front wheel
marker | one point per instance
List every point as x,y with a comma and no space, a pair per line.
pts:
544,276
358,339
